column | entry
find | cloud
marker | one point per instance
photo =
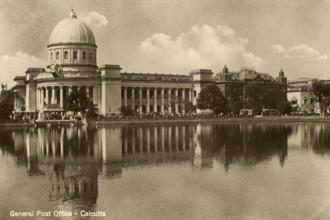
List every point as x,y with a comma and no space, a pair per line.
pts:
95,19
16,65
200,47
302,51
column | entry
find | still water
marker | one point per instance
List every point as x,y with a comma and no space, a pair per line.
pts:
188,171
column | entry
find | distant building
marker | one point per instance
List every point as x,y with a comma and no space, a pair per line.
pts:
233,85
301,96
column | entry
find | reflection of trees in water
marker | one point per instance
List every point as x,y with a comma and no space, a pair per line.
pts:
314,136
246,144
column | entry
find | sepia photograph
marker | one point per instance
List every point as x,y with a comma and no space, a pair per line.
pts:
165,109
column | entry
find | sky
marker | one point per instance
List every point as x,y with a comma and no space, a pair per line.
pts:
176,36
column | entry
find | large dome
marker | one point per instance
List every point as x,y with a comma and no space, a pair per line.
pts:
72,30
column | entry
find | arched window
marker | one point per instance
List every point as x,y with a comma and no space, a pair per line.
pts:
84,55
91,56
75,55
57,55
66,55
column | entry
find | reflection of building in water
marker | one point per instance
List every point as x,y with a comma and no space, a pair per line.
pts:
246,144
202,158
74,187
310,136
113,147
156,144
111,140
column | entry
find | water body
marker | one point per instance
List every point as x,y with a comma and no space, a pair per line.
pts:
192,171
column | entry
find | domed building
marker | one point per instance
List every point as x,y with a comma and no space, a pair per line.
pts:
72,65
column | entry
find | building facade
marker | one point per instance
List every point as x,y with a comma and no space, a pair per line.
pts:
72,65
234,85
300,95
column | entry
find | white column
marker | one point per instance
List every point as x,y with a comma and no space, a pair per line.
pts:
95,94
155,99
38,98
148,100
190,95
162,101
176,100
47,95
27,98
53,95
87,91
133,98
183,100
61,96
42,98
99,96
140,96
125,96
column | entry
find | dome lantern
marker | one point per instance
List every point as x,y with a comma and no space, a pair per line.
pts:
72,14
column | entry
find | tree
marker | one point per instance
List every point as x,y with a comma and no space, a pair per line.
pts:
322,92
254,93
127,110
7,104
92,110
77,101
260,96
212,98
189,107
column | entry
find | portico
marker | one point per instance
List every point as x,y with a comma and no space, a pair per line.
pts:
53,96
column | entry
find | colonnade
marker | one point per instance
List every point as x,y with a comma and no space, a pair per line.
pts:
55,95
156,99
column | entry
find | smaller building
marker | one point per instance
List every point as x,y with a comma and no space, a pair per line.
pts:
300,95
233,85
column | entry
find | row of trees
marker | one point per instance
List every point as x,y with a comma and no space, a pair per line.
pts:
260,96
257,98
78,101
6,104
322,92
